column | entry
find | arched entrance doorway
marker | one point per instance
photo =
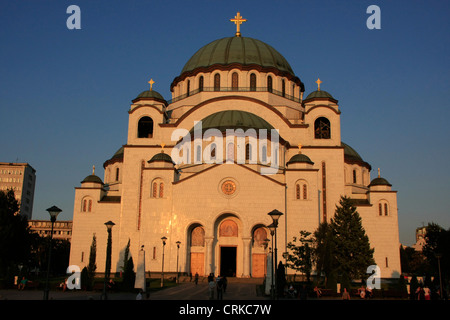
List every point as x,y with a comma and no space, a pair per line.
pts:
228,246
197,249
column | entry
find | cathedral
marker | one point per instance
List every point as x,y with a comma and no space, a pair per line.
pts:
199,174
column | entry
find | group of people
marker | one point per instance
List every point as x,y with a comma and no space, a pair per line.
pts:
423,293
218,284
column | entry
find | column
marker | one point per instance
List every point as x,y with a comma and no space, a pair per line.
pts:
209,255
246,257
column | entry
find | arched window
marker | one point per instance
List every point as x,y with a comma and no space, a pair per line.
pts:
200,84
234,81
301,190
161,190
188,87
264,154
117,174
354,176
217,82
198,154
383,208
145,127
253,82
248,152
322,129
155,190
283,88
86,205
269,84
213,151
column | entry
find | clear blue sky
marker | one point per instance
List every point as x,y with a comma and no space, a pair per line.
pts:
64,94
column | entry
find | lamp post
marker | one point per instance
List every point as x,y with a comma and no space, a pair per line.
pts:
162,266
109,226
272,288
178,251
439,256
275,215
53,211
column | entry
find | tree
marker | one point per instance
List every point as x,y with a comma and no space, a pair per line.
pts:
300,257
15,239
323,254
351,251
92,266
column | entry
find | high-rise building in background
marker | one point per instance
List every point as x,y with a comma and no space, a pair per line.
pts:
21,178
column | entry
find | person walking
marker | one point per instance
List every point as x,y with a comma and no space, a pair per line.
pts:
346,295
211,286
196,278
219,288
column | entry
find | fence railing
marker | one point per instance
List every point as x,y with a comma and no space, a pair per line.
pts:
234,89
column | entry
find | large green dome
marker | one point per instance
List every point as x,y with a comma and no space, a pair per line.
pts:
234,119
242,50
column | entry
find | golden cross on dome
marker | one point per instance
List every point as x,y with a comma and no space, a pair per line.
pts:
238,20
151,84
93,170
318,84
299,148
162,147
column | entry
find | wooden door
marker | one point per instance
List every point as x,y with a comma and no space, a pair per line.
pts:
198,263
258,265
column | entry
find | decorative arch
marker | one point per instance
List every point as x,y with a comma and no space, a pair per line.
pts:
383,208
86,204
228,228
157,188
301,190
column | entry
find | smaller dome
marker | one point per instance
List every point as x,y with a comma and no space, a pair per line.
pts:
319,94
380,182
161,157
300,158
150,94
92,178
118,154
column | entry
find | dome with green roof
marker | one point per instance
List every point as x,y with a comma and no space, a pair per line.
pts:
163,157
150,94
117,157
380,182
234,119
92,178
319,94
300,158
243,52
351,156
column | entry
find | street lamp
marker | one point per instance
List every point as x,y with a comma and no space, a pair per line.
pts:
162,267
109,226
439,256
53,211
178,251
272,229
275,215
